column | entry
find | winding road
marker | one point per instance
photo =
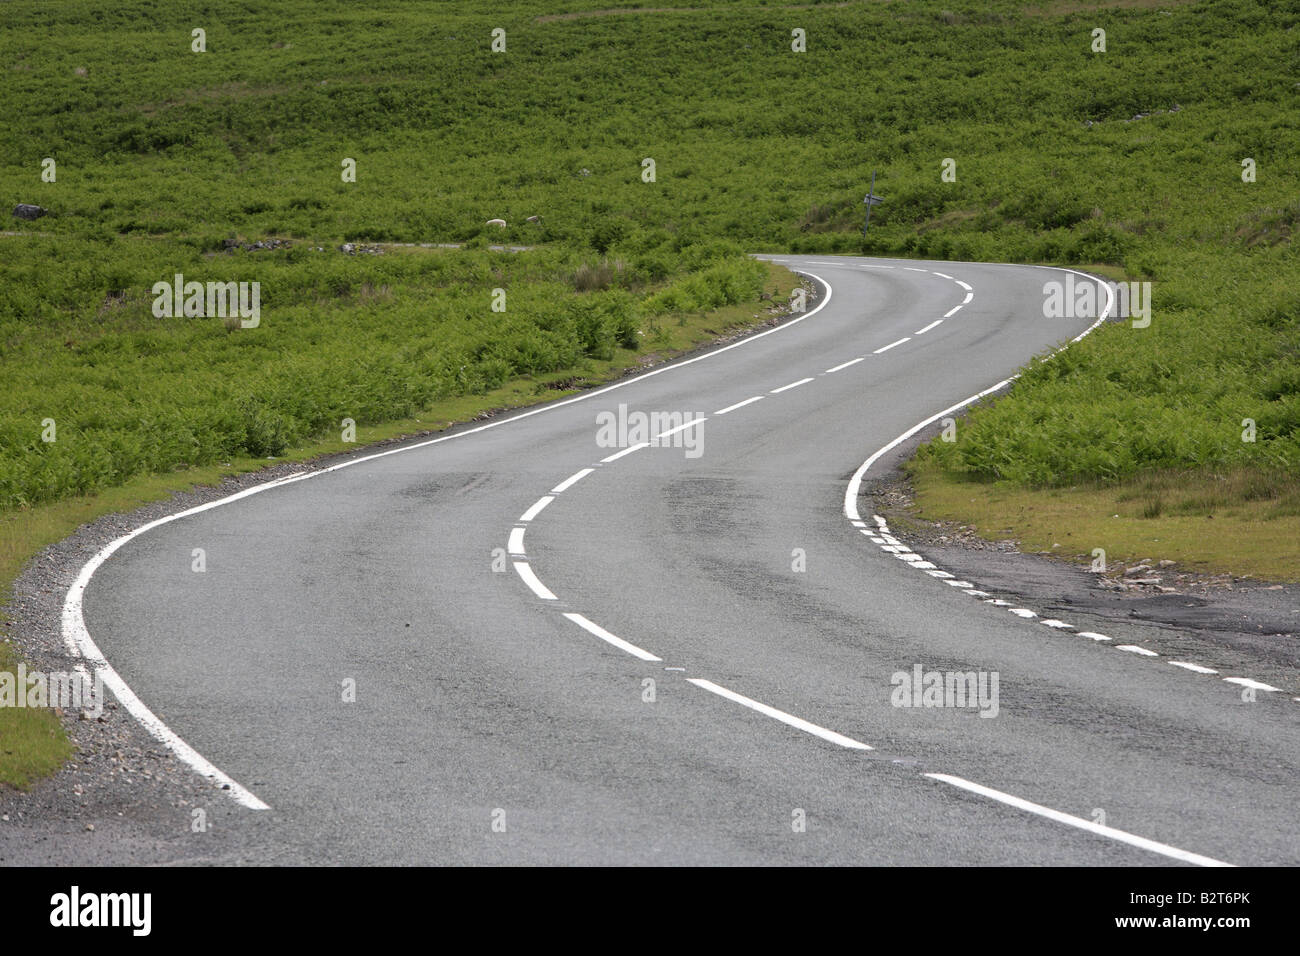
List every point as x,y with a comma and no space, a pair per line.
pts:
682,651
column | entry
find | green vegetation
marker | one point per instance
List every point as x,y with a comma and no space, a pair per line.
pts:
1130,157
1241,521
371,338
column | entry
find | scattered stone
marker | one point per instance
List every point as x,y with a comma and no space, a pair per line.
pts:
29,212
1173,109
261,245
533,219
500,223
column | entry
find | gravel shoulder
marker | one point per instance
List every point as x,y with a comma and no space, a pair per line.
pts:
1238,626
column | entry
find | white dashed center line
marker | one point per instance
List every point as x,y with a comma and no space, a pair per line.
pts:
1252,684
789,719
783,388
844,365
1134,649
1195,668
732,408
626,451
604,635
682,427
572,480
1141,842
891,345
538,505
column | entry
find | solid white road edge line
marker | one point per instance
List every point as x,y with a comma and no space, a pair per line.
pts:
604,635
535,585
789,719
1132,840
79,644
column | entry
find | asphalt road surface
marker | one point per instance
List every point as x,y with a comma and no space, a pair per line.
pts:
687,654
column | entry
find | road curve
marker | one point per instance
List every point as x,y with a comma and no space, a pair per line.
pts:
567,652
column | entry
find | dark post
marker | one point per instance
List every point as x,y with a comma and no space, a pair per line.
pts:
871,200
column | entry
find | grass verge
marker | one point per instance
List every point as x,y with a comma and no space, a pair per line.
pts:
1241,522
